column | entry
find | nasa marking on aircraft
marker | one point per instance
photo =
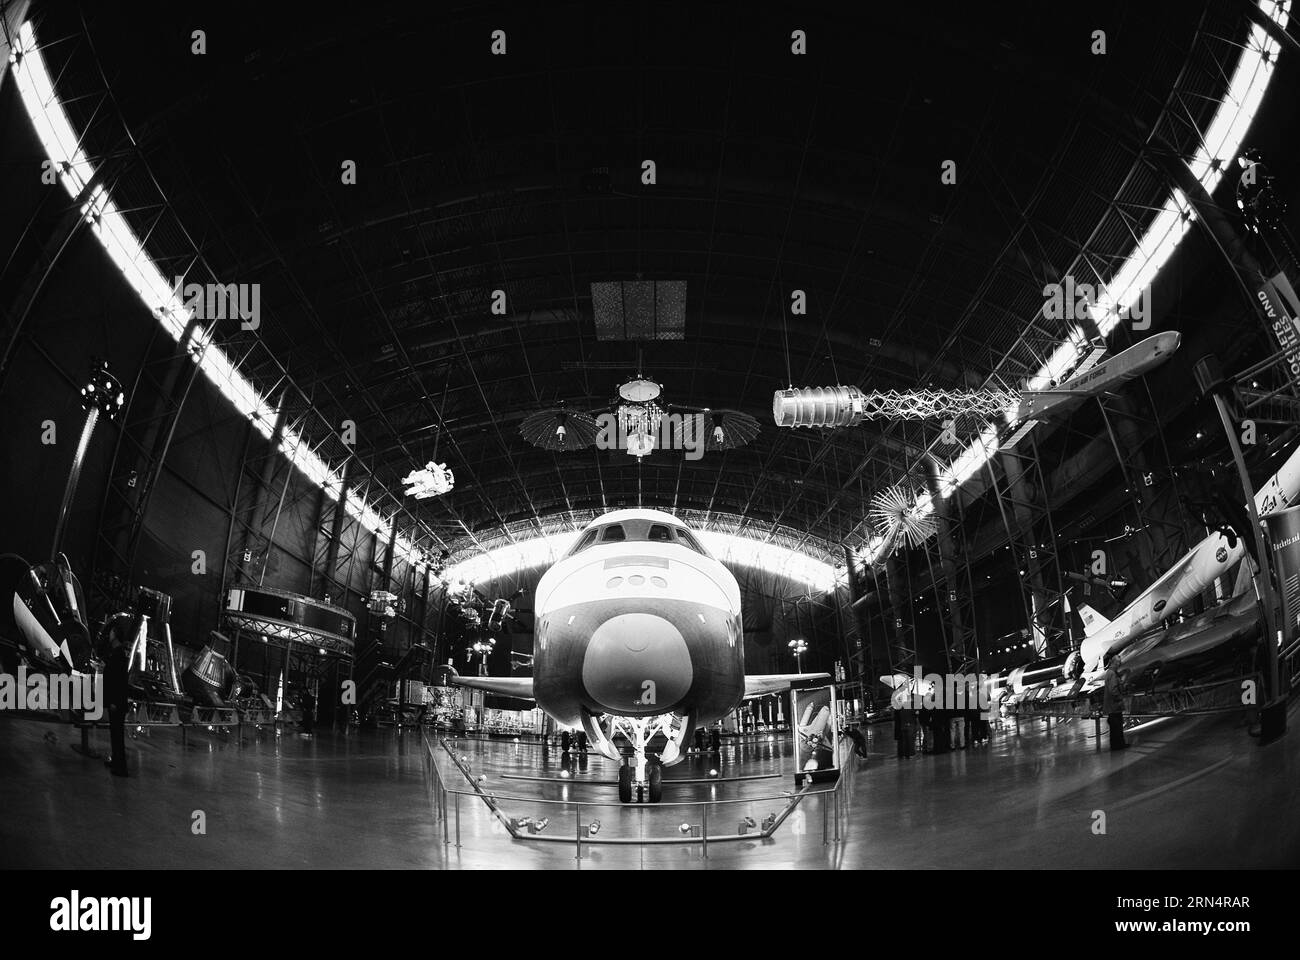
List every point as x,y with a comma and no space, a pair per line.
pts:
638,632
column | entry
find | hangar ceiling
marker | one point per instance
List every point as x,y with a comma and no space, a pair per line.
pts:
523,173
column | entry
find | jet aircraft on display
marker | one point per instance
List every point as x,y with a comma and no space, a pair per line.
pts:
1183,582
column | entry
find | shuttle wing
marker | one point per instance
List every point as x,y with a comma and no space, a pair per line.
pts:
521,687
760,684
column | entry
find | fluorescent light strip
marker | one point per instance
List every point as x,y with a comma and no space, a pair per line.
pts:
730,548
119,241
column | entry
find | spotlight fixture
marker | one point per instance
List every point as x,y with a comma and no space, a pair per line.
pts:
103,392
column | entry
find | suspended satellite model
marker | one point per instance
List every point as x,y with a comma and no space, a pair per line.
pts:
898,518
638,422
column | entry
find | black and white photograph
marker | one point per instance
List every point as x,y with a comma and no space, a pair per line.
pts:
690,435
816,749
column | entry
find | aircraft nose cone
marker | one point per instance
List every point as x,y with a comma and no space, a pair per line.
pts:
635,664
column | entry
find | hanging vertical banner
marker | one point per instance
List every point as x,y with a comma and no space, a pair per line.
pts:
1284,535
1278,301
816,746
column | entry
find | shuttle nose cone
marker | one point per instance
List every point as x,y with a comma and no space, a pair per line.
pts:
635,664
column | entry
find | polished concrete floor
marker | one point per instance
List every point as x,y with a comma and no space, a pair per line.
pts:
1190,793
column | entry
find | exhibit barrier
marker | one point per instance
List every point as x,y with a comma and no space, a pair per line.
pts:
1221,696
576,822
143,715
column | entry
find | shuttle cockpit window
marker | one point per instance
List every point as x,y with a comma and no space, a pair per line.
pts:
687,540
586,540
660,533
612,533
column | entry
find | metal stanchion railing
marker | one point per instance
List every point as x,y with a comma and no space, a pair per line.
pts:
791,800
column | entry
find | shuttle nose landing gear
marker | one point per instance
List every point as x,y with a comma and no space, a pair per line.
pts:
641,771
653,783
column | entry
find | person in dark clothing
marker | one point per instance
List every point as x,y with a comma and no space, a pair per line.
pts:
699,740
715,740
906,732
116,672
925,716
942,721
854,733
565,739
308,713
1113,707
582,743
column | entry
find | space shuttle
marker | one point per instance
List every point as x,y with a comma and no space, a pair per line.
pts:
1197,570
638,633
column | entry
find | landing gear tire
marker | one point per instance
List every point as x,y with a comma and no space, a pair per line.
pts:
656,778
625,784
